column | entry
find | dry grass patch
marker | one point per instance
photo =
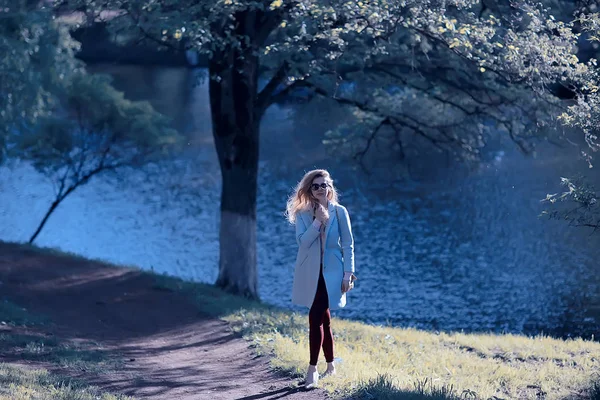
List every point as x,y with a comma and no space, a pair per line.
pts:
386,362
476,365
83,355
19,383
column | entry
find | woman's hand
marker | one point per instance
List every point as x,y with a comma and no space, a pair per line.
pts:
348,282
321,214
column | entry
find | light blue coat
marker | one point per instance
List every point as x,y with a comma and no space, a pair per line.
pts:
306,270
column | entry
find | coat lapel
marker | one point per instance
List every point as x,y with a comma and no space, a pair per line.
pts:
332,216
308,217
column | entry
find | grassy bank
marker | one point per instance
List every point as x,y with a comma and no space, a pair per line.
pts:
26,343
21,341
19,383
393,363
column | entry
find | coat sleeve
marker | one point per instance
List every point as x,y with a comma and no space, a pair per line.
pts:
305,235
346,239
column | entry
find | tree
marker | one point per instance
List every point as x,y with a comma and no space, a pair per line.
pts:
579,205
38,54
461,78
95,131
237,36
443,73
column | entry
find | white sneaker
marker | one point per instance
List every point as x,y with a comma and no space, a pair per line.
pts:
329,371
312,378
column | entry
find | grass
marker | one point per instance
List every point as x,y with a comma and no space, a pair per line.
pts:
19,383
12,314
83,356
383,388
380,362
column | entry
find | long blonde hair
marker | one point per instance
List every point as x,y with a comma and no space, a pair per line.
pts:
302,198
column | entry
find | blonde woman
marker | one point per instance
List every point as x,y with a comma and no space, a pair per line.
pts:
324,270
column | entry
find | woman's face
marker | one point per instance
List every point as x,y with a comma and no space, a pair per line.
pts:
319,188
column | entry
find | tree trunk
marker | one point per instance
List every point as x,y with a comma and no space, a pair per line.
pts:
61,196
55,204
233,97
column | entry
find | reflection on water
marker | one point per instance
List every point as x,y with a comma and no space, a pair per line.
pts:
469,256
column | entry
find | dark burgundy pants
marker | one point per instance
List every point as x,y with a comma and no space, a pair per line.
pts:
319,319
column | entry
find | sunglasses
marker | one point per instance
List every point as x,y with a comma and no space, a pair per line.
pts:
316,186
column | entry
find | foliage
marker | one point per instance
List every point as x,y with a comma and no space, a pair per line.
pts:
444,74
578,205
584,113
38,55
95,130
460,76
69,125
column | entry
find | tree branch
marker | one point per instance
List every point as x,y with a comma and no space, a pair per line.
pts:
468,61
285,92
264,98
400,120
147,35
485,108
359,156
428,91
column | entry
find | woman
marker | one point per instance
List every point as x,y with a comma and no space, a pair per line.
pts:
324,270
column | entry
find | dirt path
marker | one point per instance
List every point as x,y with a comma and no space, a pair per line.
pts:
166,349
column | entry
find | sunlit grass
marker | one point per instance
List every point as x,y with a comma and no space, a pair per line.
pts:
31,346
26,344
86,356
385,362
19,383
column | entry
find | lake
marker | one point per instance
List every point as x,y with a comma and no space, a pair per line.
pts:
462,254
